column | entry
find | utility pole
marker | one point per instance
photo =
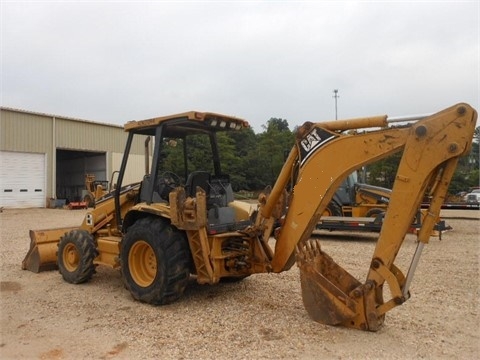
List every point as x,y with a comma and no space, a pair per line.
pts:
336,96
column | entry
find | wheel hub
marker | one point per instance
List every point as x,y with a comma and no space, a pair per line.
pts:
71,257
142,263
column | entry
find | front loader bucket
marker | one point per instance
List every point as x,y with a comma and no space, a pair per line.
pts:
326,287
42,255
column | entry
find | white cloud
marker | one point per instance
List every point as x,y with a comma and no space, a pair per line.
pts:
116,61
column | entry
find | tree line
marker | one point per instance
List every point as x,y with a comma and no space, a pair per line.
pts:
253,161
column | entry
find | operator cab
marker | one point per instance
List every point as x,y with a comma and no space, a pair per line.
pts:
185,153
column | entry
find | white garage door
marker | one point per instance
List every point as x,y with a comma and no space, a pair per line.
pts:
22,180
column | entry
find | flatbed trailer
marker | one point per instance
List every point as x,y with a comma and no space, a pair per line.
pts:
370,224
332,223
456,206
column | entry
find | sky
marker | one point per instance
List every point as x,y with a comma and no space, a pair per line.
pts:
115,61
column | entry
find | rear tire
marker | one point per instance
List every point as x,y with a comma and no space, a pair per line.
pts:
377,214
332,209
76,252
155,261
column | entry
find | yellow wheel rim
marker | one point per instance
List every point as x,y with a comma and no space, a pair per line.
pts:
326,212
71,257
142,263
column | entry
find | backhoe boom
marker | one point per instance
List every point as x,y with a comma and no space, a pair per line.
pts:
319,162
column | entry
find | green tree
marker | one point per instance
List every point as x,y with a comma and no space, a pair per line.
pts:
232,158
199,155
467,172
382,173
172,157
272,144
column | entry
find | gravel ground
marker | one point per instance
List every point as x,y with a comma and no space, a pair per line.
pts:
43,317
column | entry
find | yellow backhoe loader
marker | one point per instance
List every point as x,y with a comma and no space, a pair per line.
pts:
163,231
356,199
94,190
356,206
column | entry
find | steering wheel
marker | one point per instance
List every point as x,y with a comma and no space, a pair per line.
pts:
167,181
169,178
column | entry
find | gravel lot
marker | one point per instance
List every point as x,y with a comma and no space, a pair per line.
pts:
43,317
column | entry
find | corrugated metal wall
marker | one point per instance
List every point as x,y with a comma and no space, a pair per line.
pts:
87,136
24,131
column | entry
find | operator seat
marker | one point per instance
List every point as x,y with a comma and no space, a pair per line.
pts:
200,179
219,193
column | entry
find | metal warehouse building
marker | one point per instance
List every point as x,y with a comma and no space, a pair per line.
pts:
44,157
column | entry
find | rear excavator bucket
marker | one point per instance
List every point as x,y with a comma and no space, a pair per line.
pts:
42,255
325,286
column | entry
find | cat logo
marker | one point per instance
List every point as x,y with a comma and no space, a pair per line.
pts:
313,141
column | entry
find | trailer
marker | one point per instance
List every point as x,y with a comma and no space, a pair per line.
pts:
373,224
456,206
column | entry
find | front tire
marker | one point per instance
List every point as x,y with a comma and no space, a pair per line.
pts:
155,261
76,252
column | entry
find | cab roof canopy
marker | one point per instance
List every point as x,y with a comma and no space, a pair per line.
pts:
179,125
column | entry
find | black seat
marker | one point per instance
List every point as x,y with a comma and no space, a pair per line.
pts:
144,194
200,179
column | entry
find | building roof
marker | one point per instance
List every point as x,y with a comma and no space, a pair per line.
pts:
60,117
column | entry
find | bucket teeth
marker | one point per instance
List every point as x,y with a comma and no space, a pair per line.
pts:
307,251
